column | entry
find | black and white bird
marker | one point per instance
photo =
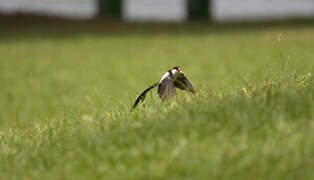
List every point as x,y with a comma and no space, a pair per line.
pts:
174,78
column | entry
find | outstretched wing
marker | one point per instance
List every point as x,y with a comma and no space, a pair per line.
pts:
143,95
166,88
183,83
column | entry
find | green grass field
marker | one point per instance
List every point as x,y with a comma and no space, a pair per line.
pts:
66,92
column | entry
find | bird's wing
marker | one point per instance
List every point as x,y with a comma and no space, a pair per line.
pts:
143,95
166,88
183,83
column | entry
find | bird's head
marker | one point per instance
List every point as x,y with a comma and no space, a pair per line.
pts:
175,69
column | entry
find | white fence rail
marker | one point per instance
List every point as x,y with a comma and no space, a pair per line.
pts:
66,8
231,10
155,10
167,10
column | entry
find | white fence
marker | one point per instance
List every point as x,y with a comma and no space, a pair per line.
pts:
155,10
66,8
231,10
167,10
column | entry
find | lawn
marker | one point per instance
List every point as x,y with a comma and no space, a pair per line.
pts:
66,89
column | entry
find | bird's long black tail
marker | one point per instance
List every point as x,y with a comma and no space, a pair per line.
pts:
143,94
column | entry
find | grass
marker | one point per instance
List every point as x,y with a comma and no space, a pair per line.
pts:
65,98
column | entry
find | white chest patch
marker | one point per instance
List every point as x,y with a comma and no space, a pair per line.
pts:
164,76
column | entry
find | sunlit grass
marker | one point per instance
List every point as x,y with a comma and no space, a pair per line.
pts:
65,105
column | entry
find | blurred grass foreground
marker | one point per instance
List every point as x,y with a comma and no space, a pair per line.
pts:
66,89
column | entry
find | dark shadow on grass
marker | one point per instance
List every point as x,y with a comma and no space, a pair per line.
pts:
29,26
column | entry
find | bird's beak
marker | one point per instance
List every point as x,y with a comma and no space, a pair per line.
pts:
179,69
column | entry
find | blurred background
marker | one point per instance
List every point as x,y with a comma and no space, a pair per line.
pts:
70,71
62,58
164,10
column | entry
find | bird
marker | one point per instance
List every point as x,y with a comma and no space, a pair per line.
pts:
174,78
